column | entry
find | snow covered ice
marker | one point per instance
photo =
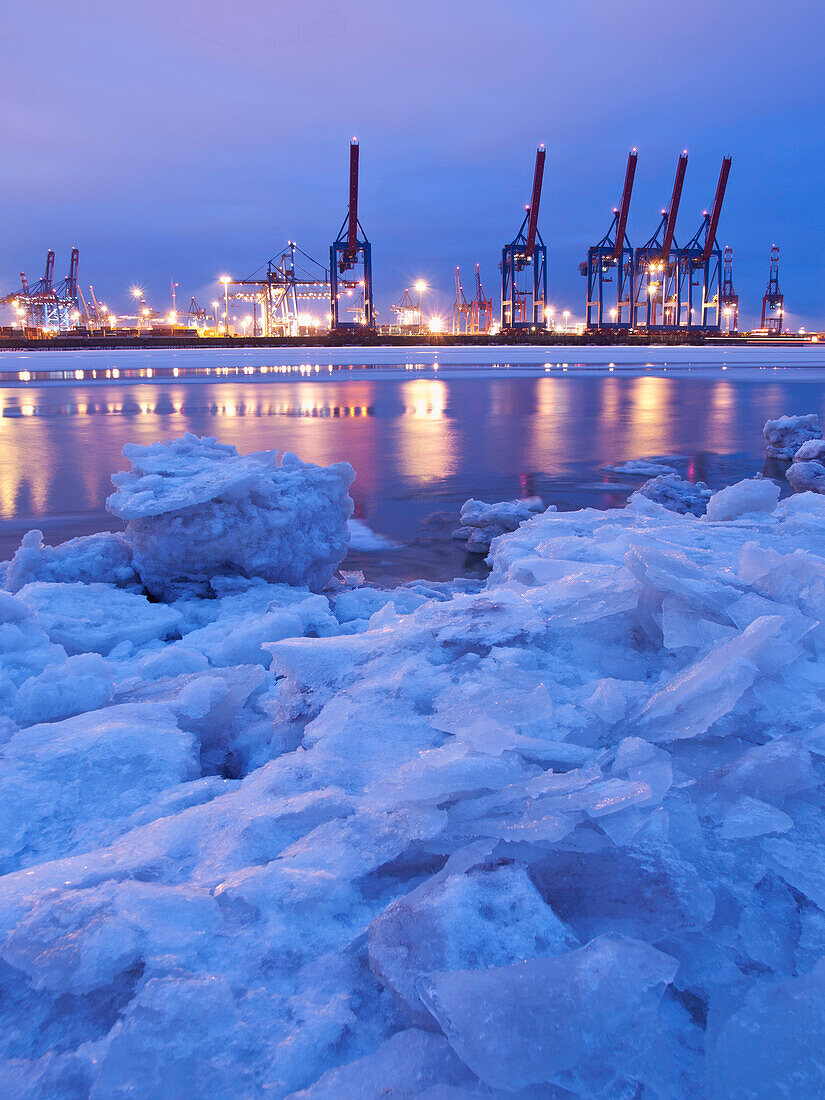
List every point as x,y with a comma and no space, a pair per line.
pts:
676,494
481,523
555,834
786,435
187,502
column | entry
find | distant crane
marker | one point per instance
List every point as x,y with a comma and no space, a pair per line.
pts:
612,255
700,266
282,287
524,307
482,307
655,273
348,251
462,310
407,312
730,299
773,300
196,316
50,306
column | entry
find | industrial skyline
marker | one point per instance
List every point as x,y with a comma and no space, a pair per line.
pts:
183,147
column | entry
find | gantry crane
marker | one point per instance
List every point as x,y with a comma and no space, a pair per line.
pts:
699,267
773,300
285,285
482,308
612,256
730,299
523,307
655,277
407,312
462,310
50,306
196,316
348,251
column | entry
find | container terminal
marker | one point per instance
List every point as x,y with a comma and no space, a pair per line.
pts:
661,291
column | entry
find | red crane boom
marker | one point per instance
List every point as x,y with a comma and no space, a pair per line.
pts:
673,209
533,222
48,278
716,209
352,235
621,224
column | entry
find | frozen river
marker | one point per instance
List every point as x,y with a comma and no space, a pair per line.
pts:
424,430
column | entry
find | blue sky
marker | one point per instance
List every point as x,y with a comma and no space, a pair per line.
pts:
188,140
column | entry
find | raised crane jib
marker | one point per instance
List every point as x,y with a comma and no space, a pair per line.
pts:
673,209
533,217
72,280
621,222
48,278
352,232
716,209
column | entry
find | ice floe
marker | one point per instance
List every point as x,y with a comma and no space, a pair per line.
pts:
556,833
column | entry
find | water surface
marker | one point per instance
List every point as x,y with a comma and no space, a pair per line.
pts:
421,441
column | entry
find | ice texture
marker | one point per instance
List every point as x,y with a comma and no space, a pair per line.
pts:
555,833
196,509
807,471
786,435
741,499
98,617
577,1021
677,495
105,557
481,523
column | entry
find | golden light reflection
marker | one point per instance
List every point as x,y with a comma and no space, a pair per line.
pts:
426,437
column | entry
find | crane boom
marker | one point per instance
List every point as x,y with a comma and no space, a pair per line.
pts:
673,209
352,234
532,225
621,222
716,209
48,278
72,280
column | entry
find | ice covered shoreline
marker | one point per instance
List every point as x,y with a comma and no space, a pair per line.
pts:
555,834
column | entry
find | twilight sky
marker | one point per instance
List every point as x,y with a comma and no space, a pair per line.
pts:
186,140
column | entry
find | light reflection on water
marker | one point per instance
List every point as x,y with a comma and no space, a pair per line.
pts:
419,444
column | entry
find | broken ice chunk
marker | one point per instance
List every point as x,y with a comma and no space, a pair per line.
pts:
473,921
773,771
689,703
105,557
786,435
749,817
96,617
645,890
754,495
772,1045
573,1021
196,509
675,494
406,1065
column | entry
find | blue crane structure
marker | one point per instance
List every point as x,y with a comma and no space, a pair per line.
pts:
611,261
50,305
351,250
655,279
699,268
524,306
773,300
730,299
